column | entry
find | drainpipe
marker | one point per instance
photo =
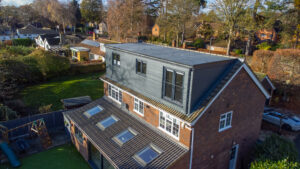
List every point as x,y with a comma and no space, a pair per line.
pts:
192,149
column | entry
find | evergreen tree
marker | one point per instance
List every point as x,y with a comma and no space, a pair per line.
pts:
92,10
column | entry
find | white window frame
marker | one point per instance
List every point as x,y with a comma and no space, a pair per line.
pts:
116,90
225,121
138,102
171,118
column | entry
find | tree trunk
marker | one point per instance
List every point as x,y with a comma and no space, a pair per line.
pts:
183,34
177,40
297,38
248,46
229,42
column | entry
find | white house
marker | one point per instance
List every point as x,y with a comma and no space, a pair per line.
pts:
48,41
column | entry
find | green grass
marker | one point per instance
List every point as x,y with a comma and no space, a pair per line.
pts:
62,157
63,87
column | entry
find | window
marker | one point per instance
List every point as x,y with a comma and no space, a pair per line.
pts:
93,111
141,67
125,136
107,122
115,93
225,121
147,155
116,59
263,35
173,85
169,124
78,135
138,106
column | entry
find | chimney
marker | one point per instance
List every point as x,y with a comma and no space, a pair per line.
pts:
94,36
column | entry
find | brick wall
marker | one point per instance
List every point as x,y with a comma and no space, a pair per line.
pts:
211,147
81,147
151,116
181,163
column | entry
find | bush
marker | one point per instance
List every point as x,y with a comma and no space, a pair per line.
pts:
264,46
276,148
199,43
13,74
22,42
48,64
282,164
45,108
78,69
261,60
7,114
238,51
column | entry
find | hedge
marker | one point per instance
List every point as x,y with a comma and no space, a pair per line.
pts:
22,42
79,68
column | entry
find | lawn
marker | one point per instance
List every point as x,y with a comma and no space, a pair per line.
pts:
59,88
62,157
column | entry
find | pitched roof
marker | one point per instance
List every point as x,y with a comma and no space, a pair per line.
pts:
53,41
174,55
30,29
122,156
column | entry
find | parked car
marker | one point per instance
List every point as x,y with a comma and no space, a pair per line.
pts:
287,122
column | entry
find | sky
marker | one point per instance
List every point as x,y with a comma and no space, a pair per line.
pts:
20,2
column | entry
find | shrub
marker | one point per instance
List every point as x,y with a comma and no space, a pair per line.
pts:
282,164
264,46
13,74
45,108
199,43
7,114
48,64
276,148
238,51
22,42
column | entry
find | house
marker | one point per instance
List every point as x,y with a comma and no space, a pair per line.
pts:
171,108
155,30
268,85
49,41
102,28
33,32
266,35
6,34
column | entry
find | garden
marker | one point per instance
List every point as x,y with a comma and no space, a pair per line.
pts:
33,80
65,157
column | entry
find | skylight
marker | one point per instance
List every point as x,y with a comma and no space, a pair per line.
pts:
125,136
93,111
147,155
107,122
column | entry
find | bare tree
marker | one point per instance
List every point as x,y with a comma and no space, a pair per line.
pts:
231,13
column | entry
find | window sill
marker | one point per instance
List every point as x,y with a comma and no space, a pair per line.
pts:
225,128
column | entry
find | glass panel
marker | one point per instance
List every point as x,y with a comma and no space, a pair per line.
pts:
162,120
109,90
125,136
78,135
94,110
168,90
148,154
138,66
169,125
175,128
228,120
169,76
120,96
144,68
222,124
108,122
141,108
178,87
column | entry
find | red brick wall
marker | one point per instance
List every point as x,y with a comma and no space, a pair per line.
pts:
81,147
151,115
181,163
211,147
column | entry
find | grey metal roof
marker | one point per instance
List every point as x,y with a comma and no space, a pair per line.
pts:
176,55
122,156
91,43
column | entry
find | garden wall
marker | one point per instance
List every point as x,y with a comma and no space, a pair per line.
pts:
53,120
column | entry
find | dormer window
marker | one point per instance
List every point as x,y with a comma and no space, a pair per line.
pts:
173,85
116,59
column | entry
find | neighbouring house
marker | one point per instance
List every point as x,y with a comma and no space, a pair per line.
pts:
6,34
266,35
102,28
49,41
169,108
267,83
80,53
155,30
33,32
